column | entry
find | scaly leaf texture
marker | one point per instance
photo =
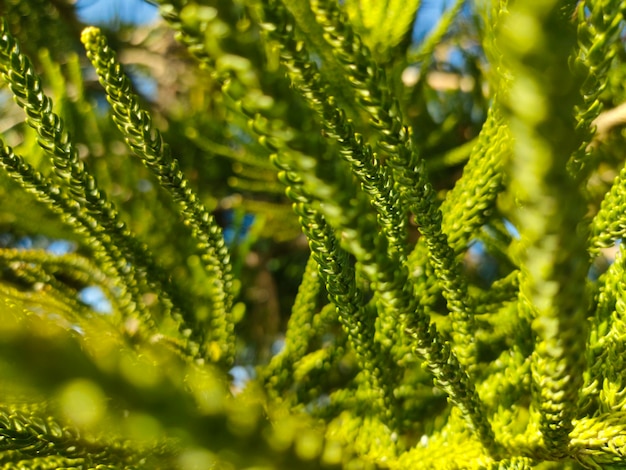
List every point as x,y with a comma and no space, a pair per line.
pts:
609,225
36,440
367,167
370,437
62,204
599,29
336,269
471,202
132,257
146,141
56,199
373,178
524,403
603,375
394,294
76,110
604,379
239,81
391,284
334,264
133,260
34,435
408,172
516,463
540,109
598,442
434,448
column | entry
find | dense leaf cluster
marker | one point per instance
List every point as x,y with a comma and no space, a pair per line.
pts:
451,208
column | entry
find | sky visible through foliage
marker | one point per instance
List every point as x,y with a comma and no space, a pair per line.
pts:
99,12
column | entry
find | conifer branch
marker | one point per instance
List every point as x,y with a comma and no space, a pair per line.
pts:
18,72
88,205
409,179
596,442
106,253
374,178
604,343
395,297
313,35
604,376
334,264
181,395
471,202
40,441
515,463
336,270
408,346
235,74
609,224
552,261
62,204
599,28
73,266
297,61
147,143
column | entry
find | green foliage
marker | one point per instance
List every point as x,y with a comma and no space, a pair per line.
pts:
385,310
